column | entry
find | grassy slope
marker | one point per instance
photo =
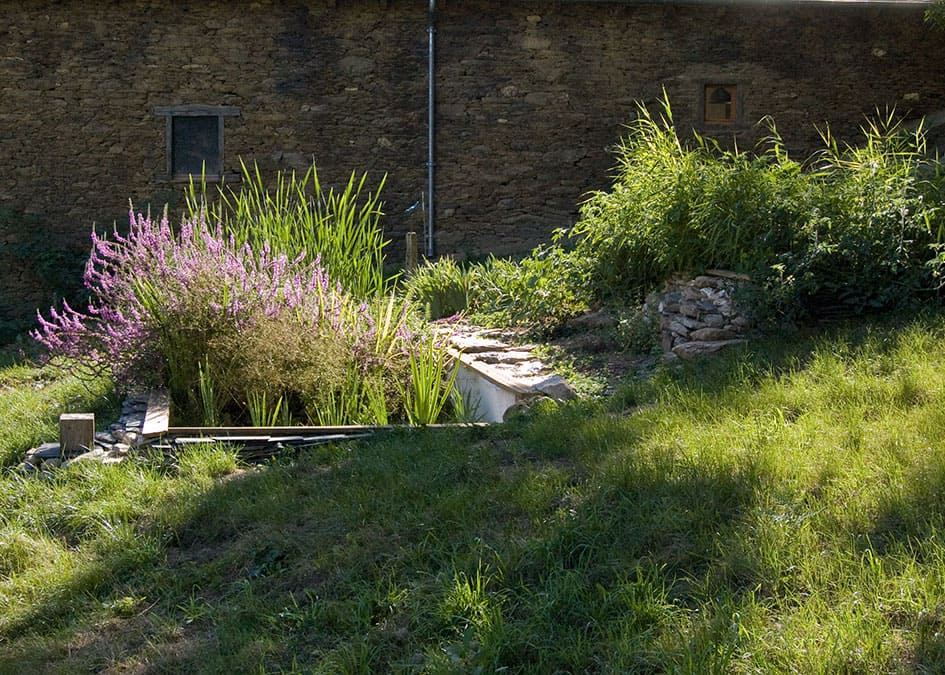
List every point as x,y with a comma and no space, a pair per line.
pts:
759,513
31,399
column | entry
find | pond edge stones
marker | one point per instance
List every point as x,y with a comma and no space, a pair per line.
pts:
108,447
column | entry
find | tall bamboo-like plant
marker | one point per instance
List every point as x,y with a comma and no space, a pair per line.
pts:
297,216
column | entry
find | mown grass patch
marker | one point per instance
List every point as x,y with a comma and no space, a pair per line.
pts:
775,510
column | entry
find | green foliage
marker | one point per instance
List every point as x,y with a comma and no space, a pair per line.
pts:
935,14
264,412
635,331
425,396
540,291
297,216
210,402
442,287
859,229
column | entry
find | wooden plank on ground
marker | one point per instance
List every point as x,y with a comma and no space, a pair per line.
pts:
226,432
243,432
158,415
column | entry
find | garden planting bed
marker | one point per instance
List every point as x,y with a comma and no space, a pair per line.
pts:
496,379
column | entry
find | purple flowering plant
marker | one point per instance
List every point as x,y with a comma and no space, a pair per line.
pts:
168,307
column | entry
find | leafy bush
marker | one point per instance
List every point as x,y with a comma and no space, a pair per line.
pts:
859,229
541,290
442,287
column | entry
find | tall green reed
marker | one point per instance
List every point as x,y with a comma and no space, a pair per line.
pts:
297,215
432,376
209,398
264,413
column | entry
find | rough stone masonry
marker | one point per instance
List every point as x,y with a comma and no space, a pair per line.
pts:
700,316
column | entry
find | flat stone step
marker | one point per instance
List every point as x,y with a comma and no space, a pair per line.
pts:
495,376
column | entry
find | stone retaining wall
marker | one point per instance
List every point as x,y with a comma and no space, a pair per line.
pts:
700,316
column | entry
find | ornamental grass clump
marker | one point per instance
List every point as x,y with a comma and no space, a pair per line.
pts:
297,215
238,333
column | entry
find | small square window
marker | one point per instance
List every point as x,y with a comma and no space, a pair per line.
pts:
721,104
195,146
194,135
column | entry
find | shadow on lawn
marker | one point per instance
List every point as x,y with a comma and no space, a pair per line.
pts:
357,558
550,544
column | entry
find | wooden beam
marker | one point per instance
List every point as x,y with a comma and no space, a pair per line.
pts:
266,432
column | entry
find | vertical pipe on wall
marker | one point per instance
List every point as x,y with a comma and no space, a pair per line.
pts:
431,29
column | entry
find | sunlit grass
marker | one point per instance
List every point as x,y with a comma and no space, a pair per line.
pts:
32,398
779,509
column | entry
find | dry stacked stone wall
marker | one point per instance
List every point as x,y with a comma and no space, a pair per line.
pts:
531,96
701,316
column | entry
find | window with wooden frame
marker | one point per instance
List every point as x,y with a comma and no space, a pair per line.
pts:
720,104
194,138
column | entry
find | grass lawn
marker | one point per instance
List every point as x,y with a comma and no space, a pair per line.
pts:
778,509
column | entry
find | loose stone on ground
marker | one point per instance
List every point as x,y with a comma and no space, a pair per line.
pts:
110,447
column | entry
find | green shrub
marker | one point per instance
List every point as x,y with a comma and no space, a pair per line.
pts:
861,228
636,331
542,291
442,287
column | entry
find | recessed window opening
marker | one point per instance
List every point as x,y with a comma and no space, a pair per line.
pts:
720,104
194,135
195,146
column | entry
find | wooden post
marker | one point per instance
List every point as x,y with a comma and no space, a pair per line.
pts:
76,432
411,251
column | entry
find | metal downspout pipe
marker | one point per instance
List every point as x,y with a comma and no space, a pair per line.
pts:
431,30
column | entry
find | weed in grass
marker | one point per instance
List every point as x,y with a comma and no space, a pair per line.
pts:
195,609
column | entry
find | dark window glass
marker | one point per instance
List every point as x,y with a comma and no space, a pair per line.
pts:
195,145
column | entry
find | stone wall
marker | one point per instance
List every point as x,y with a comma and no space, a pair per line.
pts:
531,96
700,316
